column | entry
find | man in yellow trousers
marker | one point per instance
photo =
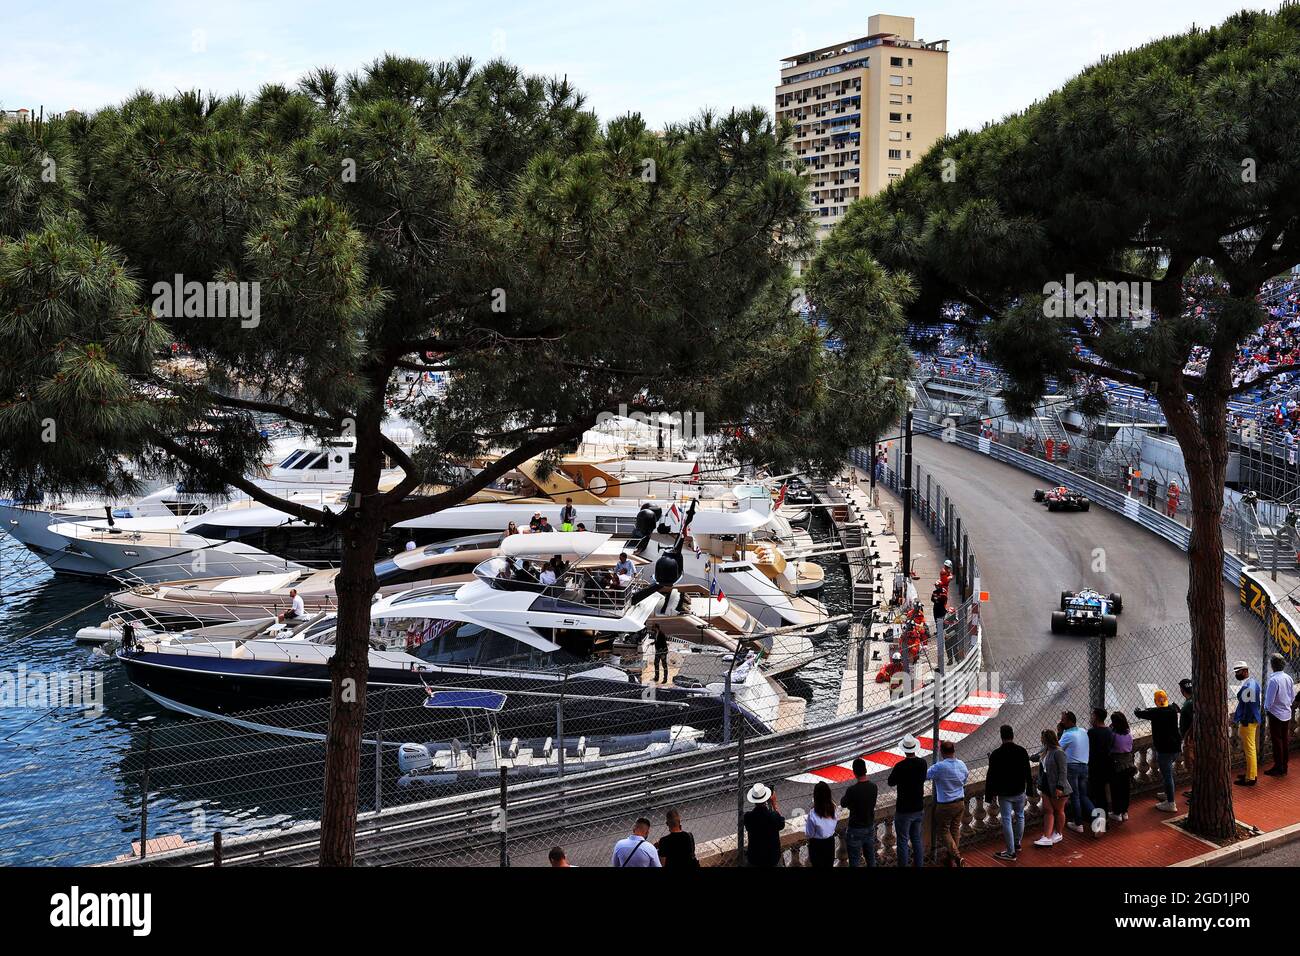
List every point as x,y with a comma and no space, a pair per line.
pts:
1246,718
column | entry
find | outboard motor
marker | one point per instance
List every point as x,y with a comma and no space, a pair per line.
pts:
646,519
668,569
669,565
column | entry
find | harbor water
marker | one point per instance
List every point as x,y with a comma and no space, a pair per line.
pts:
71,779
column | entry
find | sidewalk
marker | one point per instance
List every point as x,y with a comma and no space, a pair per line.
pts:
1148,838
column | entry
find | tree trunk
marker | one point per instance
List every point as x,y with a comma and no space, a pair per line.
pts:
1204,442
355,586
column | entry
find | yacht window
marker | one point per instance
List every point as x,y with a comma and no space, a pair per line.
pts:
734,568
444,642
389,573
307,461
320,462
555,605
288,462
316,632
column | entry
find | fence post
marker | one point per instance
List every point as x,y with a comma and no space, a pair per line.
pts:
862,660
216,848
740,796
379,751
726,700
1097,670
559,723
505,860
144,788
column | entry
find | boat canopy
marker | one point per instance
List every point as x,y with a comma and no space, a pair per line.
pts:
544,544
256,583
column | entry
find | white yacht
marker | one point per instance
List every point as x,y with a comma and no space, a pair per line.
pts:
504,634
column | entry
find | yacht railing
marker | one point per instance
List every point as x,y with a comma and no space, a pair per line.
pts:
575,586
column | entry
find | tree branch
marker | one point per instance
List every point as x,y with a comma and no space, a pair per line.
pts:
235,480
419,507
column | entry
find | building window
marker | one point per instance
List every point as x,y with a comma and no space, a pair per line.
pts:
909,81
895,61
909,61
909,97
909,154
896,99
909,117
895,80
896,154
895,135
895,117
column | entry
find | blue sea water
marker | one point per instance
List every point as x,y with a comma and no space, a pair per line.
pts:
71,781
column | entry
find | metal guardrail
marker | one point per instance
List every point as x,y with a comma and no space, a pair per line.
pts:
464,823
1131,508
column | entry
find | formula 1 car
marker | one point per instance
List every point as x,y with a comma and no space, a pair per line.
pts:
1062,499
1087,612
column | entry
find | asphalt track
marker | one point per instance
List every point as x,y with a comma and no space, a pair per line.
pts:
1027,556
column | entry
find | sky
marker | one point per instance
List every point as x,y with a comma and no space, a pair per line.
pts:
666,59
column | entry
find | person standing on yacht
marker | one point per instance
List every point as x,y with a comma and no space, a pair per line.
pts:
661,652
568,515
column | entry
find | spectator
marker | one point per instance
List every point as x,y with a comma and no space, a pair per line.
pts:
860,832
1122,766
1166,741
512,529
819,826
547,577
949,776
535,522
676,847
908,778
624,567
763,826
1009,779
1185,715
1246,718
568,515
635,850
1054,785
1279,697
1101,740
558,858
1074,742
544,524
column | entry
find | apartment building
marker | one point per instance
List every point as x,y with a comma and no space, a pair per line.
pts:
863,112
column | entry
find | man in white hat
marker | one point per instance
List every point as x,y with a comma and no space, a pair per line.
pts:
1246,719
908,778
763,826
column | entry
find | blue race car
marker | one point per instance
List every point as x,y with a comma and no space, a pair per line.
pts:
1088,612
